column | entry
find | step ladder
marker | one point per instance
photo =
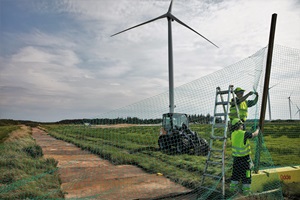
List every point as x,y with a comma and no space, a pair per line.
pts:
216,154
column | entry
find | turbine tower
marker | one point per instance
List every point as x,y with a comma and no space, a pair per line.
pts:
289,98
170,19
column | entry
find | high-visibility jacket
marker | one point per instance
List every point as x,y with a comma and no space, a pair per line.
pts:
240,149
243,111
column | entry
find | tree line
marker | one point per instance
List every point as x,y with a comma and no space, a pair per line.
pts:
201,119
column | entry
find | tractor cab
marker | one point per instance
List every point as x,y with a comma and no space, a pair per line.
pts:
175,136
174,122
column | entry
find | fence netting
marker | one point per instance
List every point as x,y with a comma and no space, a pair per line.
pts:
170,146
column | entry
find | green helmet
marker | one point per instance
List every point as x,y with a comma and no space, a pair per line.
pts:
236,121
238,89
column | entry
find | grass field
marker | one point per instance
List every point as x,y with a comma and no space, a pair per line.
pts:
24,174
23,170
137,145
133,145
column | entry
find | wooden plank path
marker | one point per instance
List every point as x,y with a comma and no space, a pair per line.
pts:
86,175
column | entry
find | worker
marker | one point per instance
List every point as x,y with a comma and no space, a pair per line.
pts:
242,103
241,157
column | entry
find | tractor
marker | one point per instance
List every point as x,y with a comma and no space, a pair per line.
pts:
175,135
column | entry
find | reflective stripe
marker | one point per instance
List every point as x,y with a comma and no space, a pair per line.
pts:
246,189
248,174
234,185
246,186
241,148
241,153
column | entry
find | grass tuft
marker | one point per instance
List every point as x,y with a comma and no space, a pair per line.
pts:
34,151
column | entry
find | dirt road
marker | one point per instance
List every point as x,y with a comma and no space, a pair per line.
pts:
85,175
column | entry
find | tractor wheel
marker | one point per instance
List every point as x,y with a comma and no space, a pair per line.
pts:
163,142
182,145
204,147
197,149
201,146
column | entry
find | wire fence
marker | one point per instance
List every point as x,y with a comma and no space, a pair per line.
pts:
133,135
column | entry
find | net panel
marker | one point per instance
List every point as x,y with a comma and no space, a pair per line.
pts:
133,135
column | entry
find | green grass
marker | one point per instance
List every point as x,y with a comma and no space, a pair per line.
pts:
133,145
285,151
6,130
138,146
24,173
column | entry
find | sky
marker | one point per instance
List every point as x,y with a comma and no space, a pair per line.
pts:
59,61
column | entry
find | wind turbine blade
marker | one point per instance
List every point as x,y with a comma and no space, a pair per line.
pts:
160,17
273,86
170,7
183,24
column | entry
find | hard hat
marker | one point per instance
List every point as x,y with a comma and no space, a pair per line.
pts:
235,121
238,89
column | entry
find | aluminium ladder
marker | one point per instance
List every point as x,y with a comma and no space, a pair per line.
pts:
216,155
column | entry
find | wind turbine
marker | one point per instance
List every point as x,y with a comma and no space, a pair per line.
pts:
289,98
298,111
170,19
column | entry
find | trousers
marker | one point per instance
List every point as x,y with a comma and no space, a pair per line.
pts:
241,169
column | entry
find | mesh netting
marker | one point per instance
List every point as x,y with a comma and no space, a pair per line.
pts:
133,135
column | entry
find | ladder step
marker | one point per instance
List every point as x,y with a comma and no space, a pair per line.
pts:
211,189
214,162
220,125
218,138
220,114
222,103
217,157
223,92
212,176
217,150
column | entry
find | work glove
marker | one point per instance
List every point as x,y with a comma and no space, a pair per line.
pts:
251,164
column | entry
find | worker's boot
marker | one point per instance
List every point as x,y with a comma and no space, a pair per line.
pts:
246,189
234,186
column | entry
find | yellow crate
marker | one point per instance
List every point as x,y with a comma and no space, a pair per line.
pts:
284,174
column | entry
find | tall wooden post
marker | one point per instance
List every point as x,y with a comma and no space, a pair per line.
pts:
265,91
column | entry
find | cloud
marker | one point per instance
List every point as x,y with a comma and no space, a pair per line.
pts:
62,59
